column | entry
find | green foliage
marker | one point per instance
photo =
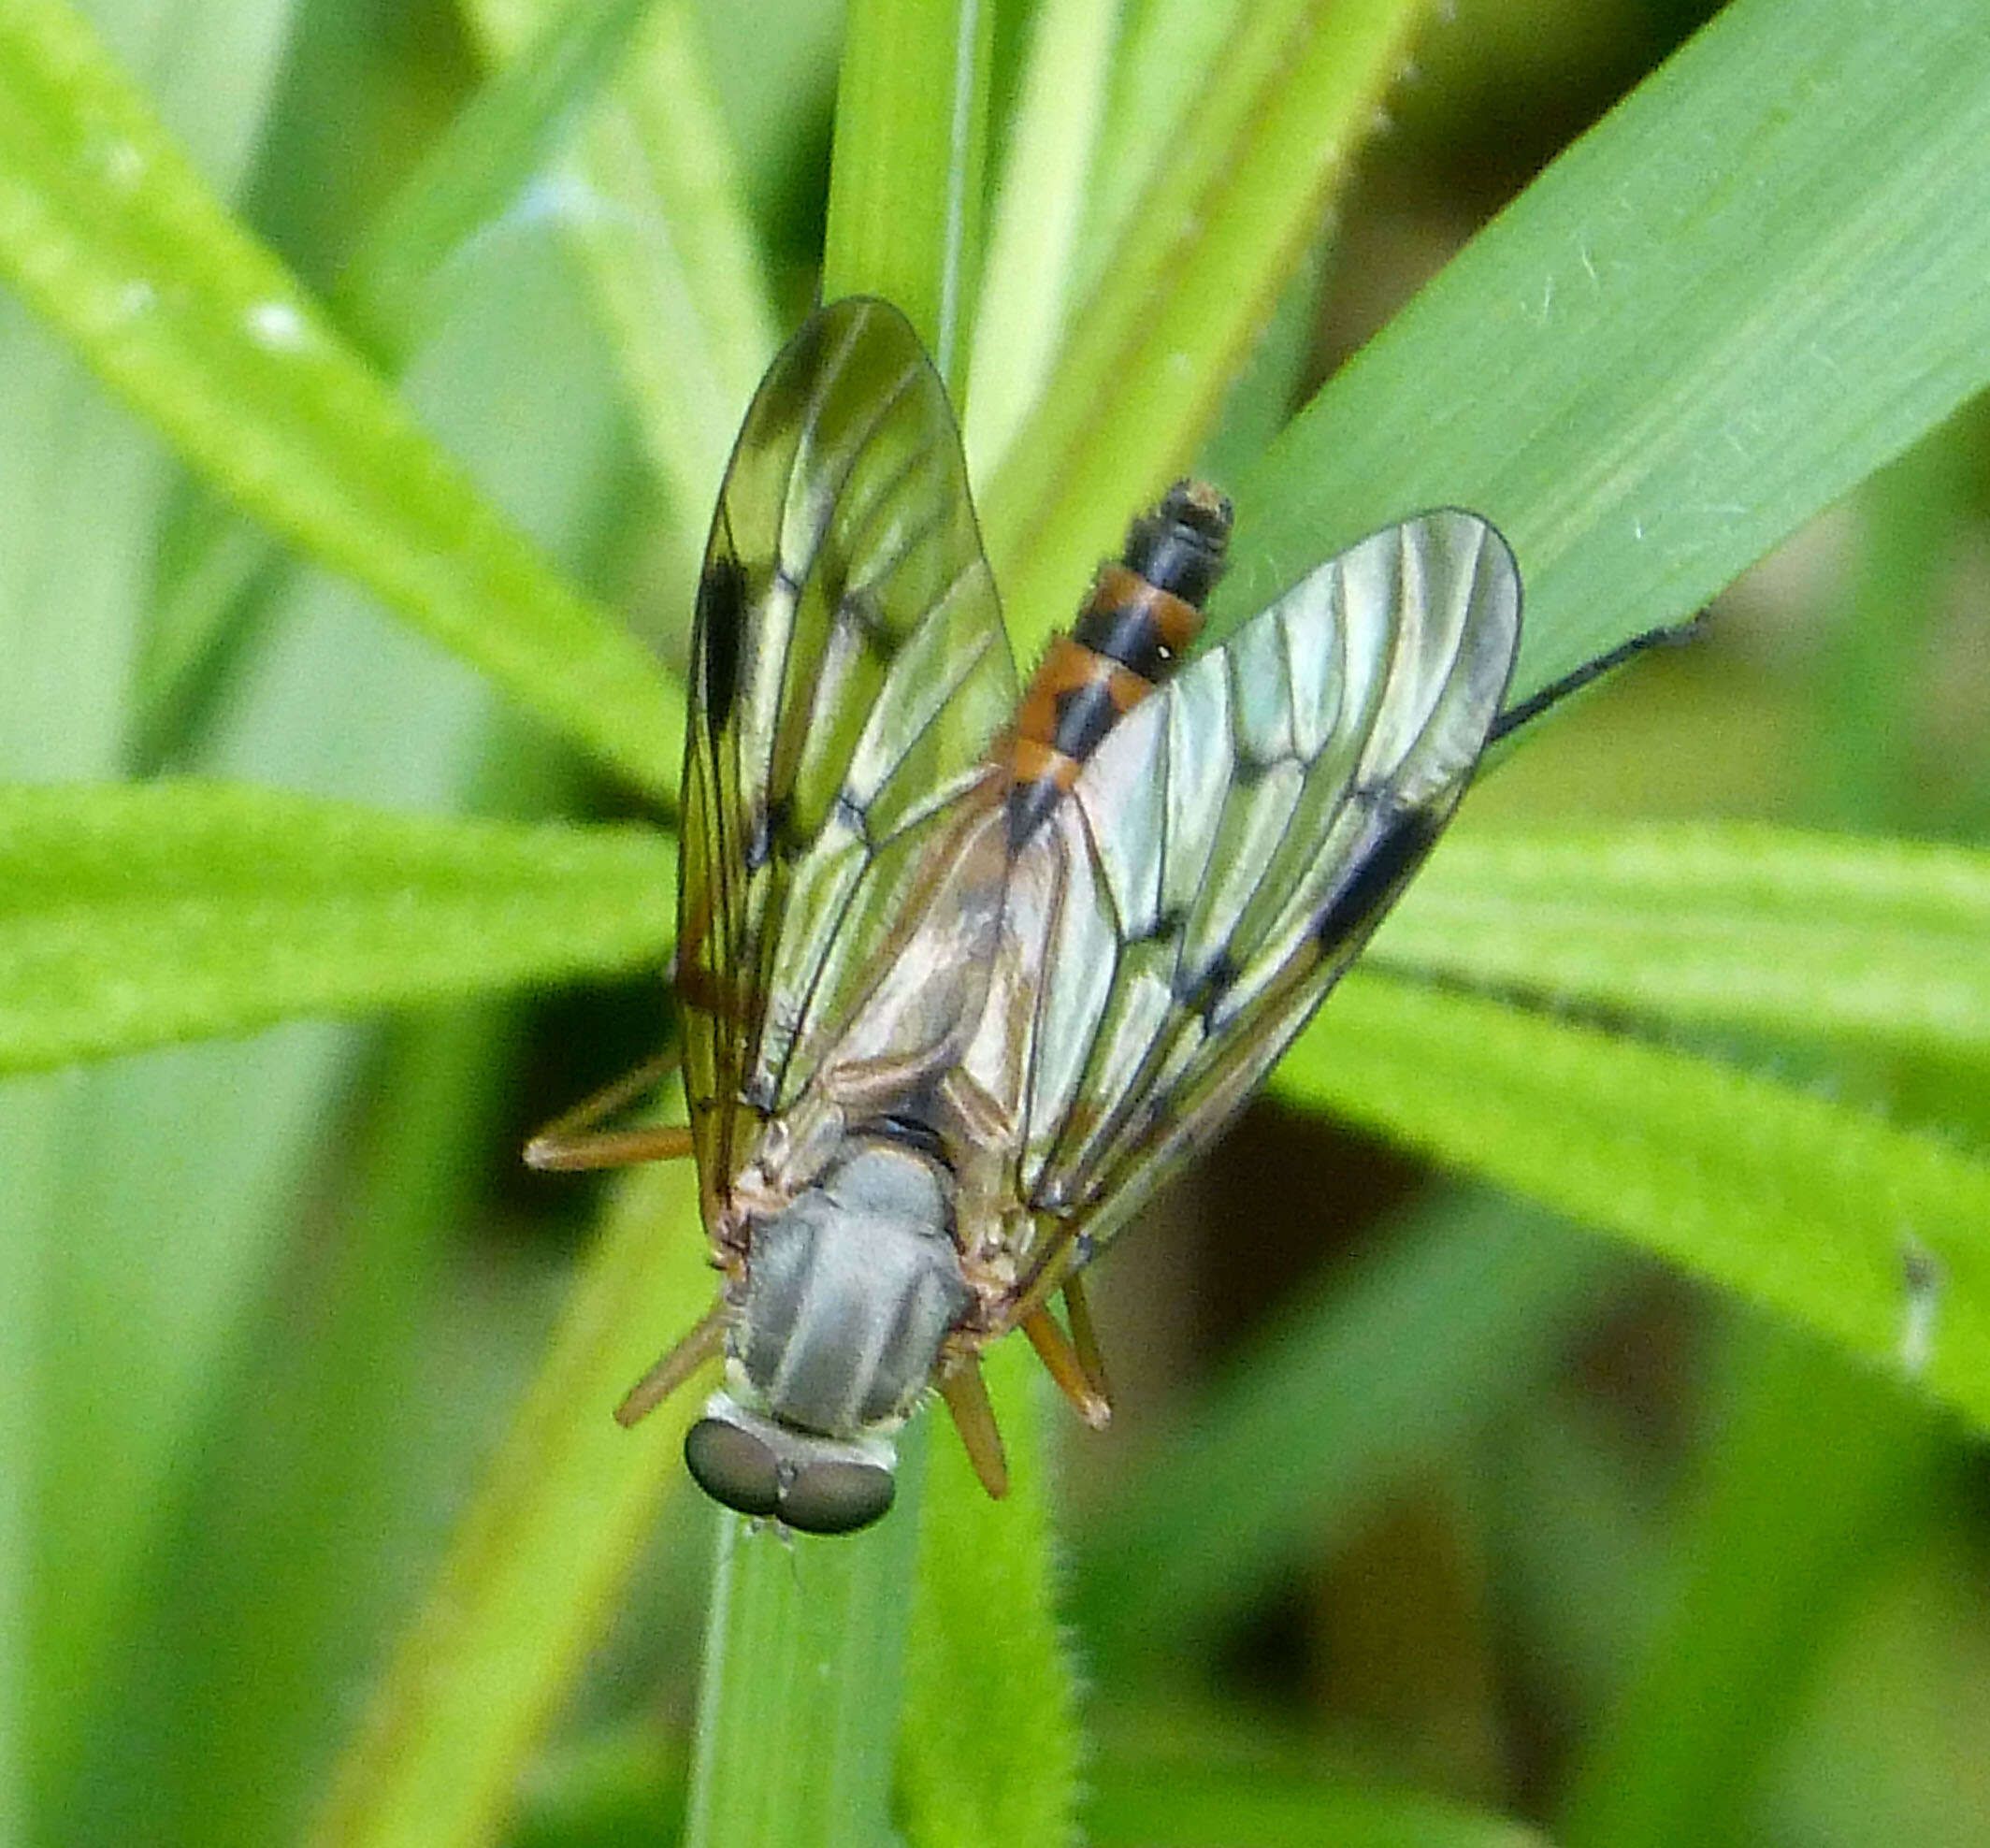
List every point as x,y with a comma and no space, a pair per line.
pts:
1871,942
1823,1211
1648,372
135,916
805,1646
1376,1374
509,1622
985,1658
1229,156
1757,281
495,146
906,182
110,234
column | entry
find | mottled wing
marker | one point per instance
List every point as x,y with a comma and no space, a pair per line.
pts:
848,668
1230,846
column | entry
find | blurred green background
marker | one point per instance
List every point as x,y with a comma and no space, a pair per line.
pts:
288,1289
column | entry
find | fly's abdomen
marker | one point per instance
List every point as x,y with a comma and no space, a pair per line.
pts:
1141,617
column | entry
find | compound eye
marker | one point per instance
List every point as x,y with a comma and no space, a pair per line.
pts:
836,1497
734,1466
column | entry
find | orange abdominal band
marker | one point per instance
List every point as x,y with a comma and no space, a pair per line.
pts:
1124,645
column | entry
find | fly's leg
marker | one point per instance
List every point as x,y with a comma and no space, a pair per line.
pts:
799,1143
967,1399
1065,1361
1084,1339
986,1134
700,1345
571,1141
983,1138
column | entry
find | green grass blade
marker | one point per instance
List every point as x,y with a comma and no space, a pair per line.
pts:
621,1785
28,1117
176,1174
1026,286
804,1668
1327,1411
138,915
289,1540
1263,395
1791,1531
191,1173
151,1186
108,232
520,1602
663,224
905,174
1170,50
1878,942
652,199
217,565
1908,520
1873,1235
535,1568
500,140
1188,289
1586,1555
79,506
1646,371
1136,1803
986,1662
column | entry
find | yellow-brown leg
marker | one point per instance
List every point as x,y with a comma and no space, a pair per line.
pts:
1055,1350
967,1399
1084,1337
571,1141
700,1345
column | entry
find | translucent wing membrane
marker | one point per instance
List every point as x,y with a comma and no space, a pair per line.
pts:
848,671
1230,846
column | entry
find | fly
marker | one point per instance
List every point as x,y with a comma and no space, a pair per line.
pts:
965,969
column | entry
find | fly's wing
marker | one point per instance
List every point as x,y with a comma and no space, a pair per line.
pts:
1230,846
848,668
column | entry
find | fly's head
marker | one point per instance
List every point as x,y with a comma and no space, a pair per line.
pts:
849,1290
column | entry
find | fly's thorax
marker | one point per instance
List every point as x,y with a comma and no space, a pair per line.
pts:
849,1290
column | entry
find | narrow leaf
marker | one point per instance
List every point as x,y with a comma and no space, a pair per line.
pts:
1647,373
1137,1803
1170,51
1327,1410
799,1700
985,1660
136,916
536,1567
651,198
1786,1540
1188,286
107,232
1732,926
500,140
1875,1236
1871,754
905,174
1026,286
802,1679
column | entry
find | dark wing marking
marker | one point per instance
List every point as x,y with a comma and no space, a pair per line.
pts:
848,668
1230,846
